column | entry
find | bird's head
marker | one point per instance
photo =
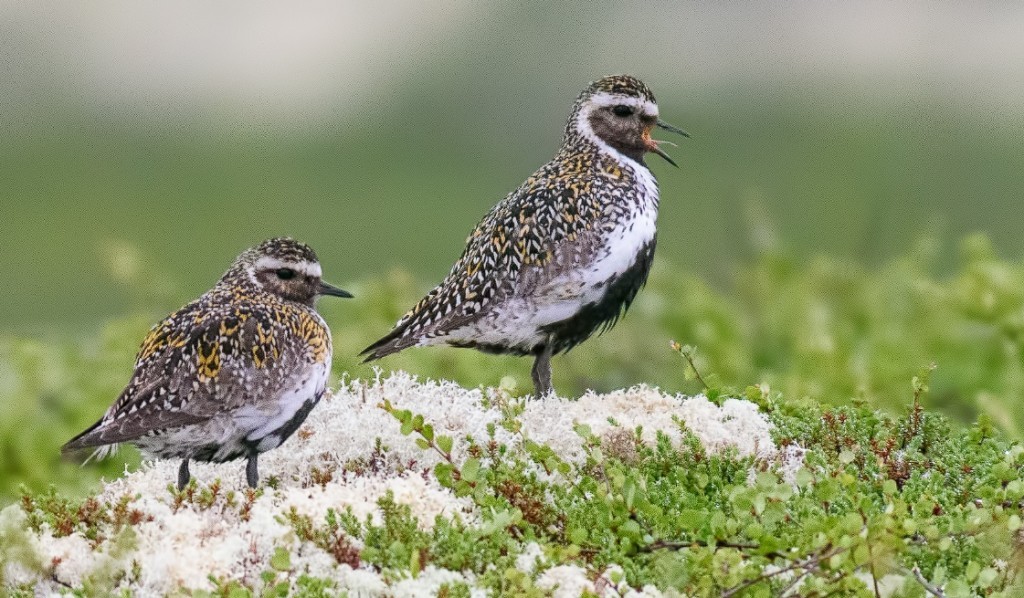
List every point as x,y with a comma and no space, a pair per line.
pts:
285,268
619,111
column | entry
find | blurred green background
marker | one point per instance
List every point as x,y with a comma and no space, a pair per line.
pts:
818,235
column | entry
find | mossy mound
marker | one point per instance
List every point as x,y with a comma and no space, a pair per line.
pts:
401,487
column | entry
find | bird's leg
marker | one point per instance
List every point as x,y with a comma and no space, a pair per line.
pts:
183,475
541,372
252,474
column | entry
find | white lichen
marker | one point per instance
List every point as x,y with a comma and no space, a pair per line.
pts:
531,558
334,463
565,581
736,425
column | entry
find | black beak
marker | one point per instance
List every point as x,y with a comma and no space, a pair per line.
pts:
664,125
333,291
662,153
652,145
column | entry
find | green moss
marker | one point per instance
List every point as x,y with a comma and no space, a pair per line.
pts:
877,495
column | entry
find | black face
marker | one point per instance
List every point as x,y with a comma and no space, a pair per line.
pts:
624,127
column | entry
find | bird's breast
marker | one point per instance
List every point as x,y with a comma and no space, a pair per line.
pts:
582,280
268,416
617,252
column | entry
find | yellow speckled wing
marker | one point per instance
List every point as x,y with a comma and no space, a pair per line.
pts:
206,358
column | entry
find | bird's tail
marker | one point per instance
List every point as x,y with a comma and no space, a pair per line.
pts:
86,439
77,449
394,342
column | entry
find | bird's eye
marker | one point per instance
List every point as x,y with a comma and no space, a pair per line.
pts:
285,273
622,110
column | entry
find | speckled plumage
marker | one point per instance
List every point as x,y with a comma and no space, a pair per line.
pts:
232,374
562,256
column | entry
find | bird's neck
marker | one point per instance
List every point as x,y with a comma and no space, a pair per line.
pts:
600,154
586,141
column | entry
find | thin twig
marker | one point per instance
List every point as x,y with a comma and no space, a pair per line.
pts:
871,556
678,544
808,563
687,353
796,580
930,588
696,372
59,581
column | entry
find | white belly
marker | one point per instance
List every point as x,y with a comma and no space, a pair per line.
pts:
287,405
257,422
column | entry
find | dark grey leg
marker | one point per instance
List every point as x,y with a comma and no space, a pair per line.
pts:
183,475
252,474
542,372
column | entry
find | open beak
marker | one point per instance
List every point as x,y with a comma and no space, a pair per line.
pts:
652,144
333,291
664,125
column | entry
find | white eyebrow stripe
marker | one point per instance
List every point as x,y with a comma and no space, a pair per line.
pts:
303,267
610,99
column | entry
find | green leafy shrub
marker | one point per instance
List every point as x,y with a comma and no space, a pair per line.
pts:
906,498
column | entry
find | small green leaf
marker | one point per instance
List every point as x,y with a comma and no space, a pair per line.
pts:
987,577
629,493
443,473
909,526
631,529
861,554
1015,490
281,560
551,463
759,502
583,431
957,588
691,519
414,563
470,469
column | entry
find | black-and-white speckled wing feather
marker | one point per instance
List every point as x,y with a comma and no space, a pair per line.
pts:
203,360
537,231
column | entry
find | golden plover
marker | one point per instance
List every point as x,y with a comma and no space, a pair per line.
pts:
232,374
562,256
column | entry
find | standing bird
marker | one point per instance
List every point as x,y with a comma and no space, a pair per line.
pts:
562,256
232,374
